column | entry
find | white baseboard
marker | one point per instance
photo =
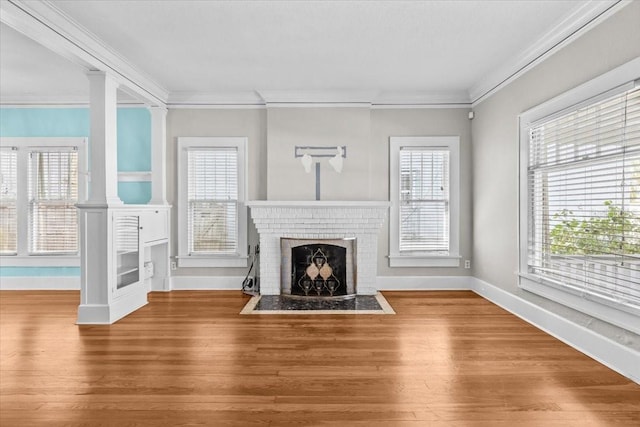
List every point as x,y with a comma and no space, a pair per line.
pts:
616,356
106,314
40,283
210,283
424,283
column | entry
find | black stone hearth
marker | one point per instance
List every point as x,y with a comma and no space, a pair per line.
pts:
282,303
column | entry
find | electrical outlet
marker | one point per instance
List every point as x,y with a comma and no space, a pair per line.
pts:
174,265
467,263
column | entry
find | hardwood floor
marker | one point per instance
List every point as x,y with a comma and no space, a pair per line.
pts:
188,358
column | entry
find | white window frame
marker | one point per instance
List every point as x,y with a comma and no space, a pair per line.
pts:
23,147
424,259
615,81
240,258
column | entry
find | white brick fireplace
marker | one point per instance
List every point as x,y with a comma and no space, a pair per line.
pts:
318,220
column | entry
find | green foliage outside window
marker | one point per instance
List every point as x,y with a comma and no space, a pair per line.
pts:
616,233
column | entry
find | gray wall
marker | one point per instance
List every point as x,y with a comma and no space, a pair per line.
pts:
274,173
495,141
421,122
318,127
250,123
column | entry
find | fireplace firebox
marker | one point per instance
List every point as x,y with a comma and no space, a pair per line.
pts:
318,268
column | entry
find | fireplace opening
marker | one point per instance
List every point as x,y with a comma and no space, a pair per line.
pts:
318,269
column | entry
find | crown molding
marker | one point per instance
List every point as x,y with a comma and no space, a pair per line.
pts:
585,17
44,23
333,96
194,99
319,98
57,101
28,100
457,98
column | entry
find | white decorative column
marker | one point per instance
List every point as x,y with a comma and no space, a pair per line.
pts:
103,97
158,155
318,220
98,304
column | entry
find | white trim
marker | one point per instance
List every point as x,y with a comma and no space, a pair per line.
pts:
134,176
241,97
43,22
610,353
217,106
396,258
424,283
32,101
241,258
319,105
373,106
573,26
310,98
457,97
209,283
40,103
407,106
39,283
317,96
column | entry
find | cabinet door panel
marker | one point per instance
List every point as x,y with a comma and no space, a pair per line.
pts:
155,226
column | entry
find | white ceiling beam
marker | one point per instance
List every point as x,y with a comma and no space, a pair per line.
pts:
46,24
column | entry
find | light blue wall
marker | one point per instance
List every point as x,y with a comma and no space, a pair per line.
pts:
134,154
134,132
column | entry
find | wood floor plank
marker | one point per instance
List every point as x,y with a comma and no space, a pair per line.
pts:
189,358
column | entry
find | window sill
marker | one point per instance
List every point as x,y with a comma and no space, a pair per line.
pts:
623,316
214,261
424,261
40,261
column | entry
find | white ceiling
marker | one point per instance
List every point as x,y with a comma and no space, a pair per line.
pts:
246,51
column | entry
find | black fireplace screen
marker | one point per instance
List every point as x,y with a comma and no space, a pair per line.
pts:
318,270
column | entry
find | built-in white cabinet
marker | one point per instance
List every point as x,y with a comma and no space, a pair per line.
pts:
116,277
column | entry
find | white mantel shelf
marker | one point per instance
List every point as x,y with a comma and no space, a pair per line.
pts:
324,219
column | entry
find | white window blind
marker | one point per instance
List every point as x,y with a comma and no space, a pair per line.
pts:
583,191
212,186
424,200
53,193
8,201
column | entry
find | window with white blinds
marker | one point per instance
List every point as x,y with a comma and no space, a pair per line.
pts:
8,201
424,200
584,189
53,193
580,199
212,214
424,187
41,181
213,200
